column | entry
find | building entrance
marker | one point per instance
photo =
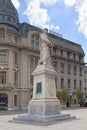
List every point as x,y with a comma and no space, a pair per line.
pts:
3,101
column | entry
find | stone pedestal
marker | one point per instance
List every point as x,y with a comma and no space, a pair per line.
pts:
44,101
44,108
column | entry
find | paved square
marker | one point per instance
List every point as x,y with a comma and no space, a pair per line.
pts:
79,124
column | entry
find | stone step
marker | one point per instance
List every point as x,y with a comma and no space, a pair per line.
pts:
43,120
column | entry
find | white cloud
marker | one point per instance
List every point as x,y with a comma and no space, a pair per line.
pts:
37,15
69,2
49,2
54,27
82,19
51,27
16,3
81,8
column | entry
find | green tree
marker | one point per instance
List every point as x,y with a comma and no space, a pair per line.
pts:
79,95
63,95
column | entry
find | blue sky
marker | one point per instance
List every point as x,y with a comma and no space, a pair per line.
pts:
66,17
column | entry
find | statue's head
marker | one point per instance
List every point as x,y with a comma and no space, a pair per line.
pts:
45,30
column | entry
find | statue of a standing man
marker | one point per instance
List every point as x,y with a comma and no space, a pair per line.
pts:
45,48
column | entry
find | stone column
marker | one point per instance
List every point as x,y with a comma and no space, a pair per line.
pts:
11,71
24,70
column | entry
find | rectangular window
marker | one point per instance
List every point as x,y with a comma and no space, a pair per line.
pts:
62,83
75,70
62,68
35,41
3,56
61,53
80,71
80,84
80,58
69,69
2,77
85,80
15,100
74,84
68,83
68,54
15,58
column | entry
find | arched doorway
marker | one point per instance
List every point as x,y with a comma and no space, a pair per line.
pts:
3,101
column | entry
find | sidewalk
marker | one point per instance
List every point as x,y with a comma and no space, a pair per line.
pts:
79,124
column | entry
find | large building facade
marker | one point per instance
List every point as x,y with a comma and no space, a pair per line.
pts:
19,54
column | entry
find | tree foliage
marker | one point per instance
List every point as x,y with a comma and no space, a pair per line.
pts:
79,95
63,95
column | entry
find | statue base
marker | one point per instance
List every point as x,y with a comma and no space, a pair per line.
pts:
44,108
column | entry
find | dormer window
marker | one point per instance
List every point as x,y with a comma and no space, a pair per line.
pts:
35,41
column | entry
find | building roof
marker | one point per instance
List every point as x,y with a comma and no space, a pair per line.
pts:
58,41
66,44
8,14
